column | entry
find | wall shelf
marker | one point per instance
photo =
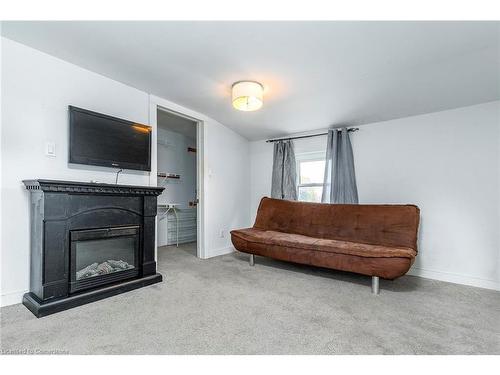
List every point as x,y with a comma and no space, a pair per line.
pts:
169,175
168,178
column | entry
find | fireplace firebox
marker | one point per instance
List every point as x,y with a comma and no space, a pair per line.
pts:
102,256
88,242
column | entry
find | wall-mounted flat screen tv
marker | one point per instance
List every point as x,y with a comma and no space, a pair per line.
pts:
97,139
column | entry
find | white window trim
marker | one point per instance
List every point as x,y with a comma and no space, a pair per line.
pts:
308,156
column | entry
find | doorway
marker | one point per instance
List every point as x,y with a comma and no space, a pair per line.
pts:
178,172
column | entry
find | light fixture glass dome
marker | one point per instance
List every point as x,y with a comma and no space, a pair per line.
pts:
247,95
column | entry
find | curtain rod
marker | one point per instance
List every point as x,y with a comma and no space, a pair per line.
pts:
307,136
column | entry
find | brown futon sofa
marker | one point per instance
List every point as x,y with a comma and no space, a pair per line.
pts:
373,240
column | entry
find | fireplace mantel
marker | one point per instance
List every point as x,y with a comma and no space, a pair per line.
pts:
90,187
60,208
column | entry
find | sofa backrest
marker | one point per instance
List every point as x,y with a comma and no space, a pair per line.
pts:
389,225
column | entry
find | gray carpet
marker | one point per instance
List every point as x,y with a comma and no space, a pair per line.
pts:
224,306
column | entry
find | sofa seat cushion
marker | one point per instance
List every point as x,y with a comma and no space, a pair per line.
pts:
297,241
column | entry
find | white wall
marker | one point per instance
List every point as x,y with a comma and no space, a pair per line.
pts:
36,90
448,163
228,185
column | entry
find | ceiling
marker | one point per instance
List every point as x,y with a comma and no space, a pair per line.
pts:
316,74
177,124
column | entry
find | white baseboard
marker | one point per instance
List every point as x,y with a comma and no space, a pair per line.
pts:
222,251
12,298
454,278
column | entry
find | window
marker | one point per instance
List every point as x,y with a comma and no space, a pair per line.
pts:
311,168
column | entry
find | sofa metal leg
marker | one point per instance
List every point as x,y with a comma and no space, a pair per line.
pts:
375,285
252,260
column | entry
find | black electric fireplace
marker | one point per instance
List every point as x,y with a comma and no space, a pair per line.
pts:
88,242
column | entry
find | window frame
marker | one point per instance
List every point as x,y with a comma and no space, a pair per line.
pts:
305,157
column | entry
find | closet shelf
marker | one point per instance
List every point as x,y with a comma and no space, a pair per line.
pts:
169,175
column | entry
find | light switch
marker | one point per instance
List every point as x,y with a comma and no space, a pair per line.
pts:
50,149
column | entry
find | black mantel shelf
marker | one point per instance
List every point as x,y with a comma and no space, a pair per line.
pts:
60,210
90,187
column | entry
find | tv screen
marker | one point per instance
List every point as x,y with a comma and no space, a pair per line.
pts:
97,139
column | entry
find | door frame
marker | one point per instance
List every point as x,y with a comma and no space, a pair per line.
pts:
164,105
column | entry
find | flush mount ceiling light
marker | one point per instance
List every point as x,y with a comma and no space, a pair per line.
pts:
247,95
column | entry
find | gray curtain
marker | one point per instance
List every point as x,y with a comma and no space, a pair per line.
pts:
340,178
284,182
